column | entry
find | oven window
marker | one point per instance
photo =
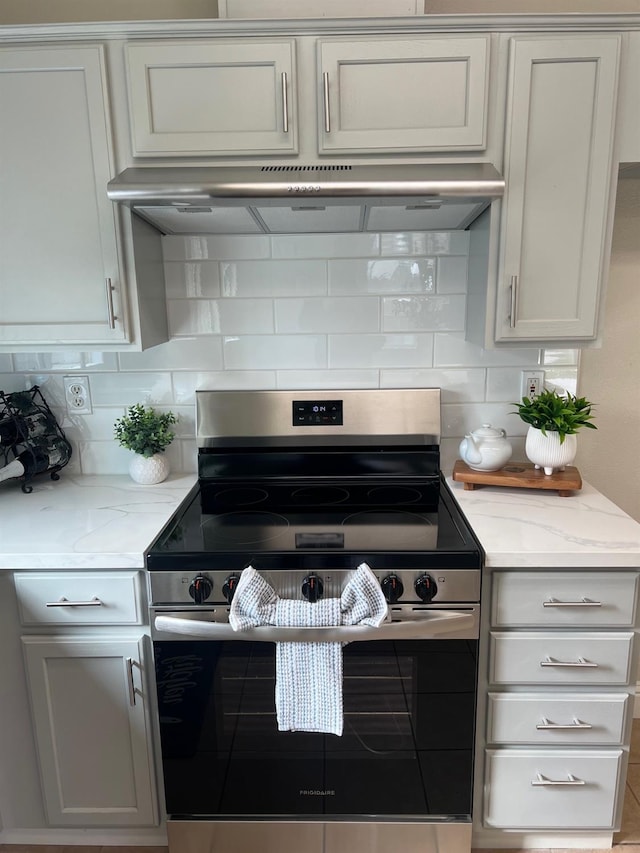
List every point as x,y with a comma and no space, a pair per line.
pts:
406,750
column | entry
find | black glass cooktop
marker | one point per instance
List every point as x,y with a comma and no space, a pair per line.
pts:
298,524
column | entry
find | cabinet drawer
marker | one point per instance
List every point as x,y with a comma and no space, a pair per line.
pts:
555,658
527,599
100,598
557,718
552,789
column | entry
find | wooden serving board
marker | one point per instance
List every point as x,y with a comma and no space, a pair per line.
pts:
522,475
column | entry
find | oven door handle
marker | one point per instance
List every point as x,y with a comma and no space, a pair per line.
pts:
420,625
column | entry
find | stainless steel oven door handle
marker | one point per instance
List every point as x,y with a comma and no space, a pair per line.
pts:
419,626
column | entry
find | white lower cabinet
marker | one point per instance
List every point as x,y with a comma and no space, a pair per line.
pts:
91,729
563,789
85,654
560,700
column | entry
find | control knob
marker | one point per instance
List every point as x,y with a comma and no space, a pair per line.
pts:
392,588
312,588
200,588
426,588
229,587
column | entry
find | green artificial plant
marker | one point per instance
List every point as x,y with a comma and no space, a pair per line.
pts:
144,430
553,412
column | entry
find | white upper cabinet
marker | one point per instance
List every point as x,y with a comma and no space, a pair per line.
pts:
557,210
62,276
223,96
230,97
417,94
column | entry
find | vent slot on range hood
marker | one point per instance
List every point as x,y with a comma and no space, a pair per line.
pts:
287,199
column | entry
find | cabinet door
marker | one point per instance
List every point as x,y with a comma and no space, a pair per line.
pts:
212,97
92,731
558,170
59,266
415,94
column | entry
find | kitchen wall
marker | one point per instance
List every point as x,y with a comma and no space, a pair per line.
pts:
609,375
315,311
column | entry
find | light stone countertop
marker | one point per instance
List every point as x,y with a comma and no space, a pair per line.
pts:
108,522
529,528
85,522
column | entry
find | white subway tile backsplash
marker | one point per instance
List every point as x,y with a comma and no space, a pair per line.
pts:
125,389
459,385
400,350
276,278
219,247
317,315
293,379
177,354
67,362
425,243
459,419
192,279
325,245
425,313
246,316
452,274
193,317
503,383
186,384
451,350
275,352
323,311
383,275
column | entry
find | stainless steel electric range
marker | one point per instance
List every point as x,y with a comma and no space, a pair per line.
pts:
305,487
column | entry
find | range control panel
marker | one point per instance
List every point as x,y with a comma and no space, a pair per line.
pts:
317,413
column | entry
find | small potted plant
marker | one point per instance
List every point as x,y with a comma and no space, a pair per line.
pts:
147,433
554,419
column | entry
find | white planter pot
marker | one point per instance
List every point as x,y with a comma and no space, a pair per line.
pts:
546,451
149,470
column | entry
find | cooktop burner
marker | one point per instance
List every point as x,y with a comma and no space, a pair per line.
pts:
289,525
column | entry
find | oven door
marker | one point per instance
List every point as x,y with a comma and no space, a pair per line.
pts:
406,753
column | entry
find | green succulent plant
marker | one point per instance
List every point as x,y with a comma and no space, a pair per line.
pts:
553,412
144,430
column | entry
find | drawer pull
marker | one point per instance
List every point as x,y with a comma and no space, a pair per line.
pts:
64,602
325,101
132,687
285,103
581,662
584,602
570,780
545,725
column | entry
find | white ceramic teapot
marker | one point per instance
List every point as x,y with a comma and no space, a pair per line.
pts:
485,449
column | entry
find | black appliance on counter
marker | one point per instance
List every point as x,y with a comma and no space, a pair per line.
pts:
304,487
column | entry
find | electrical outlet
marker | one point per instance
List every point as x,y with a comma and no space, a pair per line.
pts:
532,383
77,395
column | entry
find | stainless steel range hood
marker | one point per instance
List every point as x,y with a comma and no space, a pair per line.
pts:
308,199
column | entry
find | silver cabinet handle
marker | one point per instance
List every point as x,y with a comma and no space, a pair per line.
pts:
545,725
132,689
110,312
64,602
581,662
584,602
570,780
514,301
285,103
325,101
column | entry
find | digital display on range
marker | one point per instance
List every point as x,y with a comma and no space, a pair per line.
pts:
317,413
